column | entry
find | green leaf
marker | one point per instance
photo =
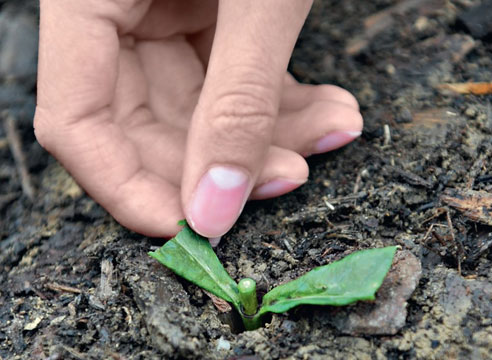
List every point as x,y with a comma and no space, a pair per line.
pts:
355,277
190,255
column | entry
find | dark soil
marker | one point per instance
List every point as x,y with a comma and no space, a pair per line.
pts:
76,285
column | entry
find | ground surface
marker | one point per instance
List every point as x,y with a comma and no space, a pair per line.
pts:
75,285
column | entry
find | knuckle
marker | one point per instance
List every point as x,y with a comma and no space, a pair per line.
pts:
240,117
245,113
42,129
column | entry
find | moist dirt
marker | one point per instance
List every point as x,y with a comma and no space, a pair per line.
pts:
76,285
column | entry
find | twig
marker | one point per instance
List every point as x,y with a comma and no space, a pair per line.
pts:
76,354
288,246
387,135
15,145
439,212
358,180
59,288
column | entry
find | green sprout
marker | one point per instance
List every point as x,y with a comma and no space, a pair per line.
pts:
353,278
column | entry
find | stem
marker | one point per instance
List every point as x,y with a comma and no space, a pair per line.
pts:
249,304
247,295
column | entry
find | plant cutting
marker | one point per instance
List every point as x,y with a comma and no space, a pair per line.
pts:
353,278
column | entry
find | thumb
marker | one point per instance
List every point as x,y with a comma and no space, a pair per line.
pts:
232,126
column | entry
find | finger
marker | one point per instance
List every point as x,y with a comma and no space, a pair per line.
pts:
233,123
296,96
319,127
174,77
171,17
147,204
78,53
74,119
161,149
284,171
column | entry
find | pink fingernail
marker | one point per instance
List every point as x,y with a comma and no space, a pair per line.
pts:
218,201
276,187
335,140
214,242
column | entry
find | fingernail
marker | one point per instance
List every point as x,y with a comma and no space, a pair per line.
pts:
218,201
335,140
276,187
214,241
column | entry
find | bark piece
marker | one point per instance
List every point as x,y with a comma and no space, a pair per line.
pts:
475,205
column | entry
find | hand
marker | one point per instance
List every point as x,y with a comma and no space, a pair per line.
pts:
125,104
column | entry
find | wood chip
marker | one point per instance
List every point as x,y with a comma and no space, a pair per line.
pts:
475,88
475,205
105,289
411,178
221,305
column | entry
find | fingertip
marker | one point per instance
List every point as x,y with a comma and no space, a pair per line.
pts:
276,187
284,171
218,200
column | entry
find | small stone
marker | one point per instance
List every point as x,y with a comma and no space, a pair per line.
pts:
471,112
422,23
390,69
404,116
223,344
288,326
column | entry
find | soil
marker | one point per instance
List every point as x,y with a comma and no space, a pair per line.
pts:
76,285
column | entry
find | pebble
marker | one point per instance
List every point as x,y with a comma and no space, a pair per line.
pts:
422,23
390,69
223,344
471,112
404,116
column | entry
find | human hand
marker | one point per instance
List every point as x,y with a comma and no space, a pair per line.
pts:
125,105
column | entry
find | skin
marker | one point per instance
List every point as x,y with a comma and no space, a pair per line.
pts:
139,99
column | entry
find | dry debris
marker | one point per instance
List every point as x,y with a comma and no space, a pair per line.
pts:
475,205
475,88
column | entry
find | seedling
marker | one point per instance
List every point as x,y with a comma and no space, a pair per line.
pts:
355,277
